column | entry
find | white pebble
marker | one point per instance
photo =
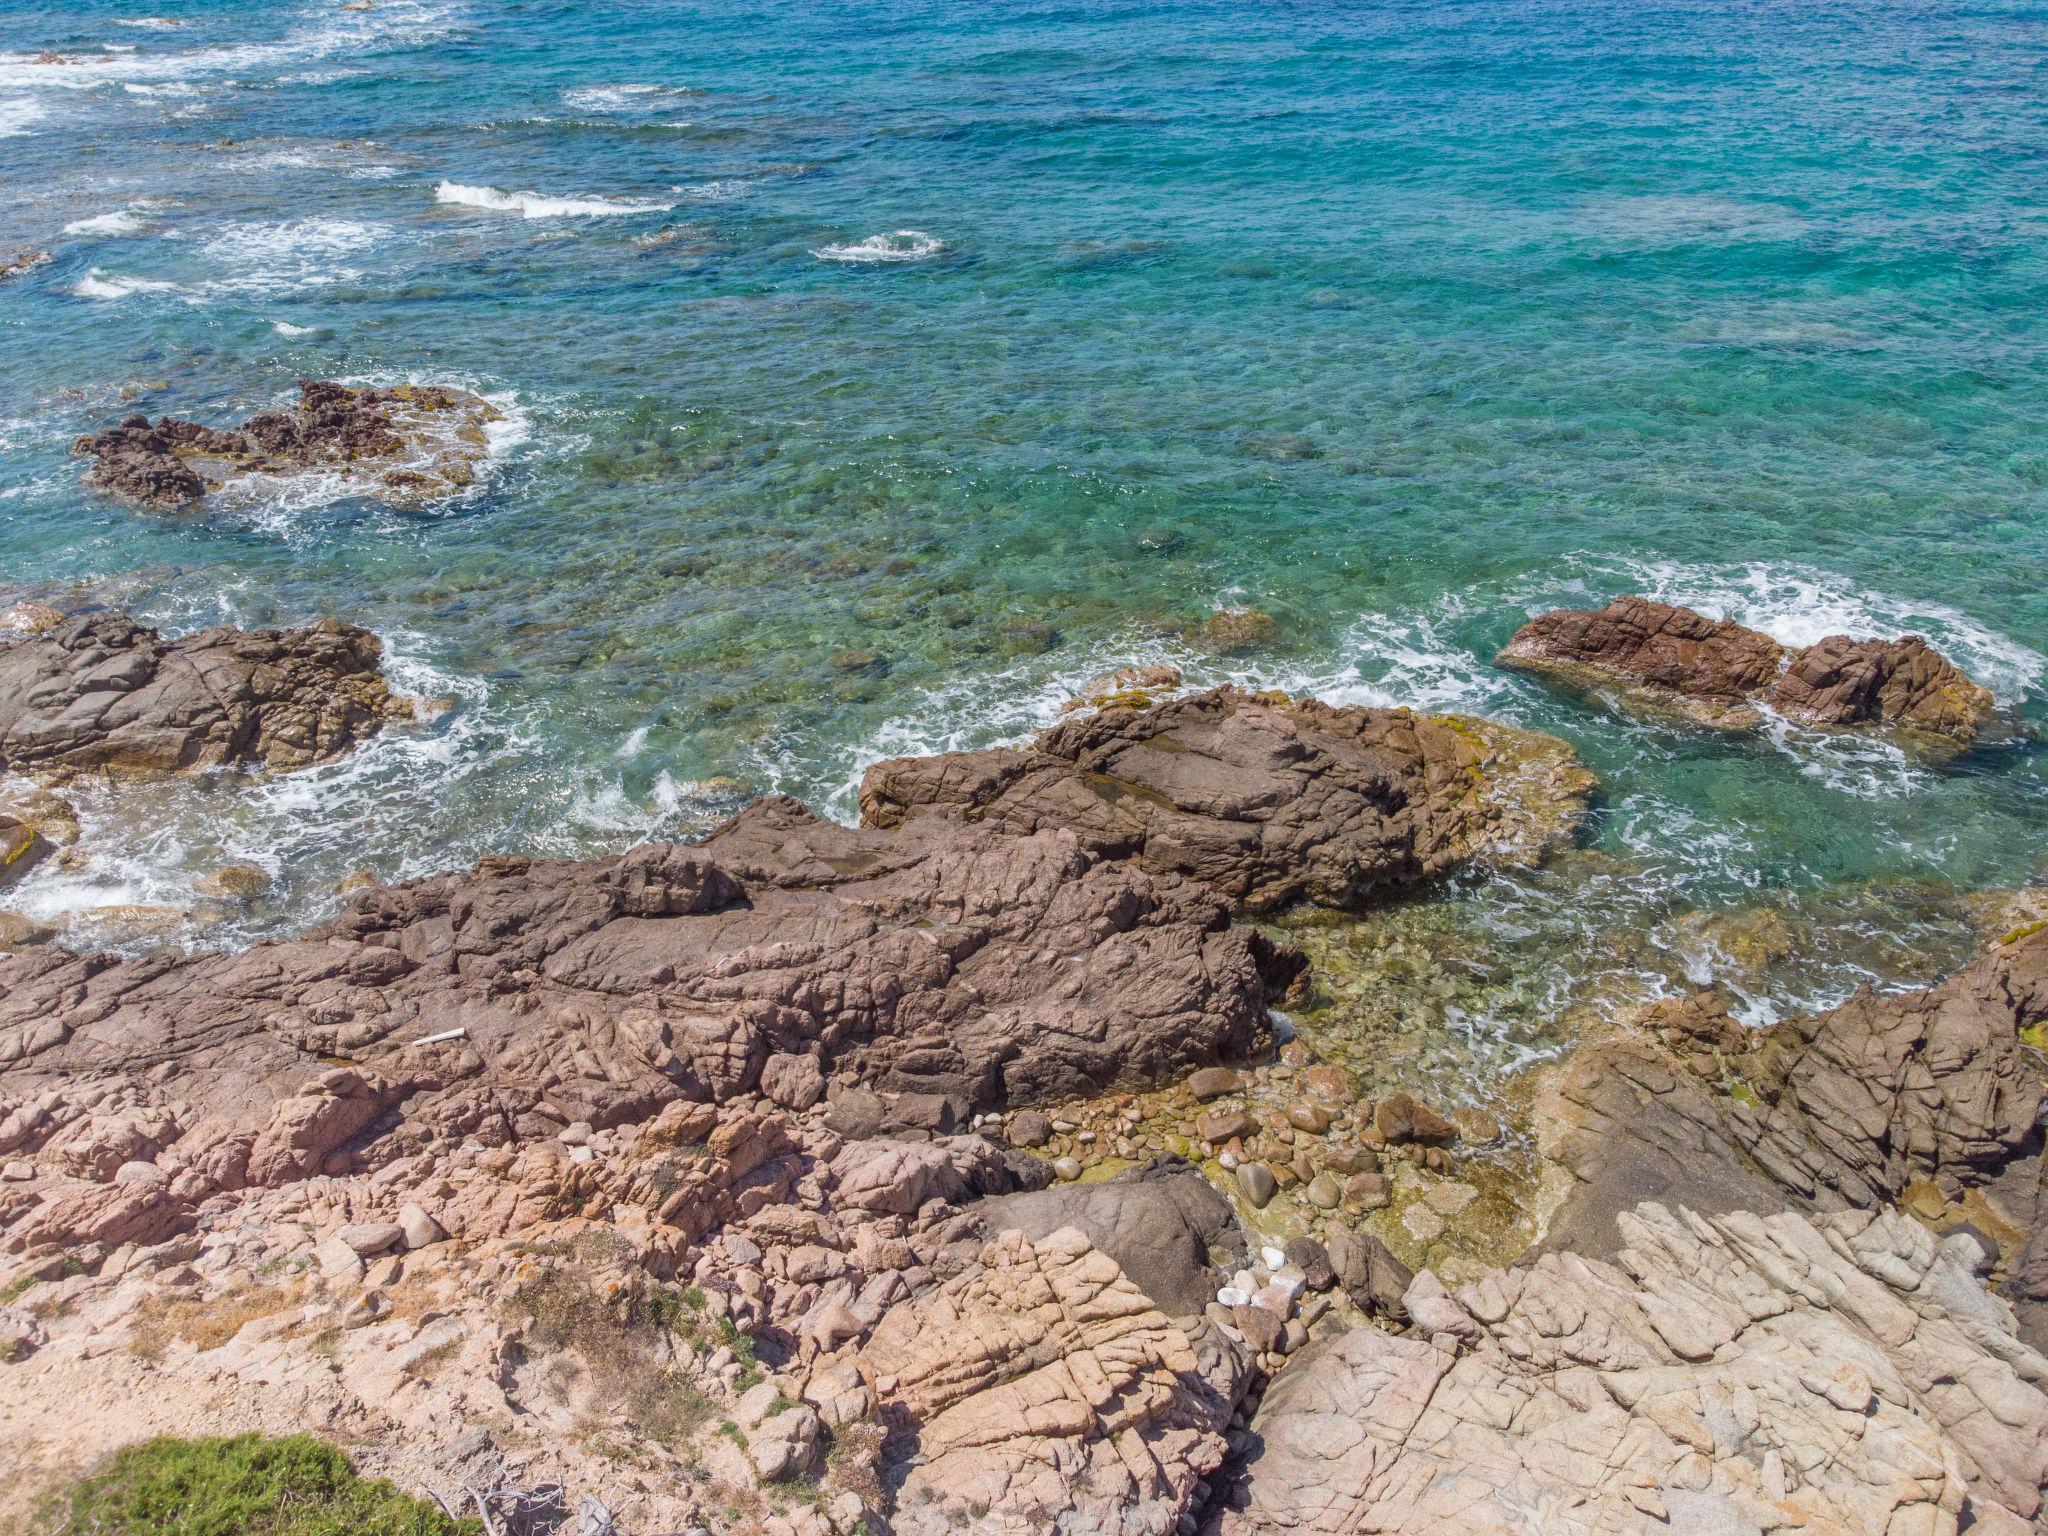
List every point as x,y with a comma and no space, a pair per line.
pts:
1231,1296
1272,1258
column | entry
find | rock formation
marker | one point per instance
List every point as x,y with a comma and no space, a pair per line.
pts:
1929,1095
411,442
943,959
1267,799
1723,675
102,694
1844,1373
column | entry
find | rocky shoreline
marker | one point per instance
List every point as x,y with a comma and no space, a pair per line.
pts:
955,1171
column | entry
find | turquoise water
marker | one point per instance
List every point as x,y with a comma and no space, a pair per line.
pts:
1400,322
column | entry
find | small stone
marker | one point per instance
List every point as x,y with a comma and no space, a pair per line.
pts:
367,1237
1403,1118
1313,1260
1028,1129
1257,1183
1086,1138
366,1308
1068,1168
1350,1160
18,1172
1328,1081
1221,1125
1312,1118
1214,1082
1262,1329
1324,1192
419,1228
1369,1190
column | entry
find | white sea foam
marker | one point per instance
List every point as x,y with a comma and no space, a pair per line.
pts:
98,283
286,328
154,23
17,114
292,255
325,32
623,98
534,205
897,245
126,221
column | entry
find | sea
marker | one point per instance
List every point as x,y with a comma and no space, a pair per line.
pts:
876,371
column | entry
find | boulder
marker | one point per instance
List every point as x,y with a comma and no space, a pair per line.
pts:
1720,674
1163,1223
103,694
1741,1373
1266,799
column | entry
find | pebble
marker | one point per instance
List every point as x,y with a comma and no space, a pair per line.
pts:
1214,1082
1067,1167
1258,1184
1324,1192
1312,1118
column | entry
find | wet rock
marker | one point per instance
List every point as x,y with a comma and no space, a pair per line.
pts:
233,882
29,618
102,694
408,442
1266,799
1720,674
1842,1373
1324,1192
19,263
1125,688
1403,1119
1221,1125
1312,1118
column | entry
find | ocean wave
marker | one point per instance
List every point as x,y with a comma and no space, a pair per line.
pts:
17,114
286,328
325,32
534,205
154,23
897,245
126,221
98,283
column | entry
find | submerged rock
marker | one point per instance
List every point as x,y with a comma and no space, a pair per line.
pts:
103,694
411,442
1267,799
1721,674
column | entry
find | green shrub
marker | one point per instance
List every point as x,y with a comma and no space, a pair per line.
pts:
245,1485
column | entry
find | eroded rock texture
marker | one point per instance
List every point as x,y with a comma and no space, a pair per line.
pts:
411,440
1044,1391
102,694
1845,1108
1721,674
1267,799
1841,1374
942,958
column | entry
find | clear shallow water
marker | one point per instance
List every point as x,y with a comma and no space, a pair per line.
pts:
1007,345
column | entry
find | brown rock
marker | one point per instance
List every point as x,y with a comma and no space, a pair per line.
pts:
418,440
1214,1082
1231,630
1221,1125
1266,799
1402,1118
102,694
1718,673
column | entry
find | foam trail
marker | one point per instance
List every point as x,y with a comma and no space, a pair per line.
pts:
534,205
124,222
101,284
897,245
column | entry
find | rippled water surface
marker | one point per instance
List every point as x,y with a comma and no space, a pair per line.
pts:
1007,343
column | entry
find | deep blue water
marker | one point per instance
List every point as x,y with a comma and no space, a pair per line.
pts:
1398,321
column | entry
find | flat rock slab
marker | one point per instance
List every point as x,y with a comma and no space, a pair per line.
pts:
1267,799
